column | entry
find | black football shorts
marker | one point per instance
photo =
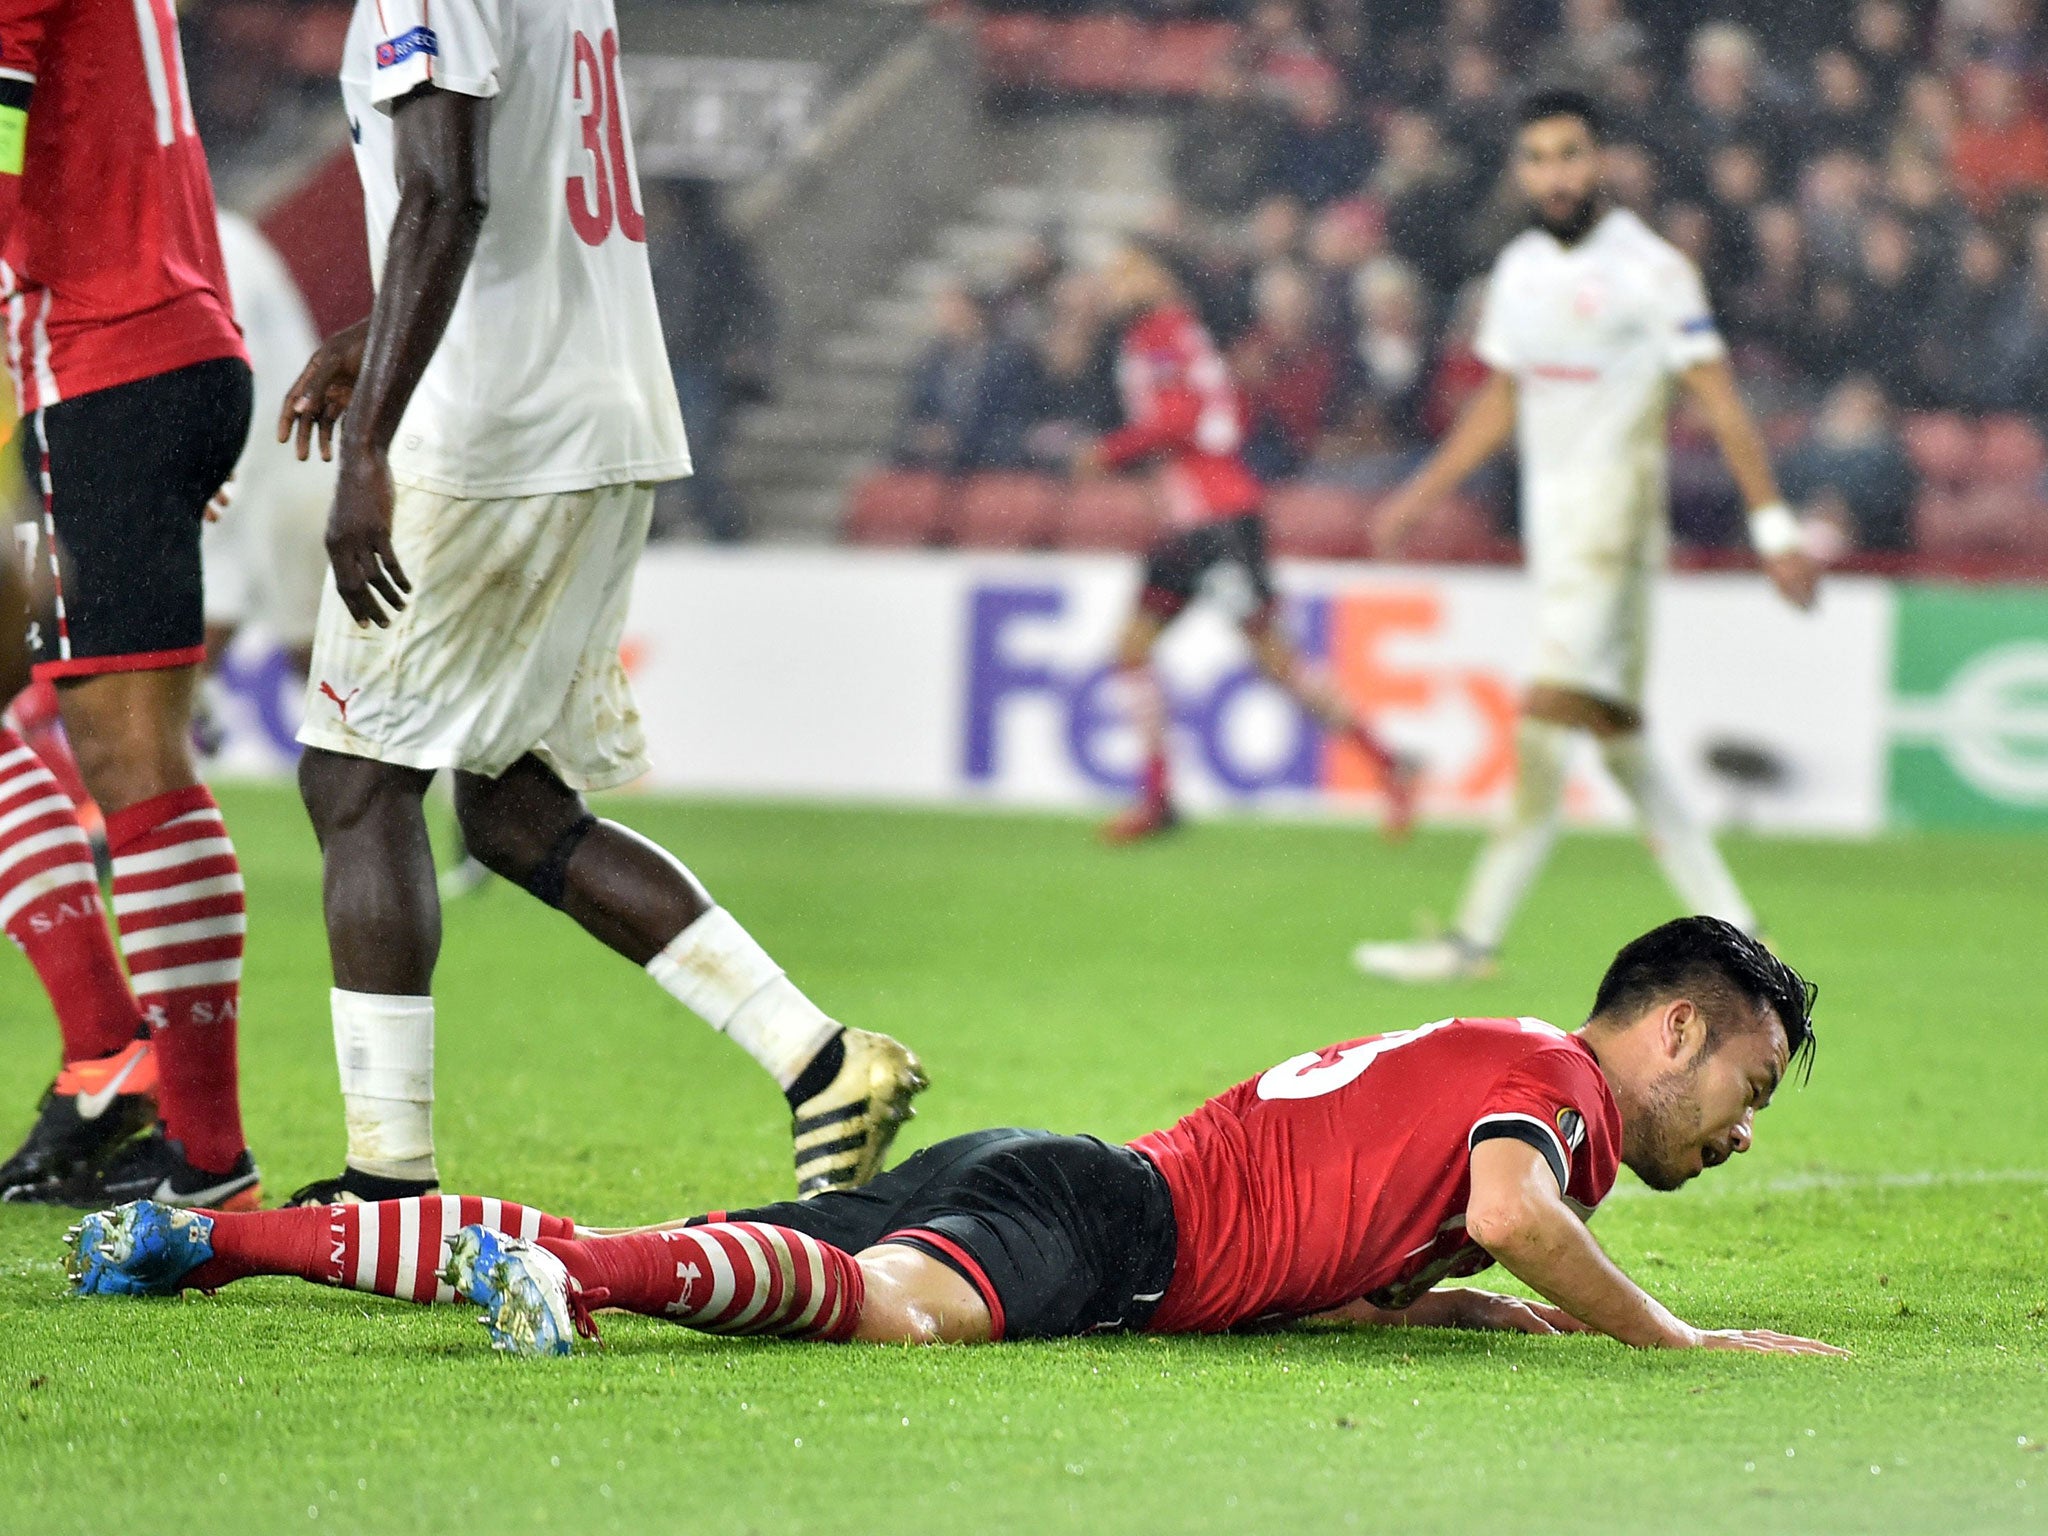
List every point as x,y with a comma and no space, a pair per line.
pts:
1228,557
119,480
1059,1235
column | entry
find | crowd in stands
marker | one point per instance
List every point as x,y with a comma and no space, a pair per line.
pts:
1864,186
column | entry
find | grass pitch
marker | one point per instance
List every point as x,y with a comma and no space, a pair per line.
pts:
1899,1205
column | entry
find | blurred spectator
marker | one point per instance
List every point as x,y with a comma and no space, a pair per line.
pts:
2000,145
1594,39
2016,362
1290,375
1478,110
1845,113
1723,105
970,395
1075,399
1321,151
1390,347
1421,185
1881,36
1343,237
1021,308
1926,121
1226,146
1852,469
1973,307
719,324
1889,302
1834,192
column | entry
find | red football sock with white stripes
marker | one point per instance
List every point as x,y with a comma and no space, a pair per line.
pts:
734,1277
389,1248
50,907
178,903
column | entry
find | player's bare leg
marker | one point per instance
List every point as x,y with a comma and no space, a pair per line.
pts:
1314,691
178,904
849,1090
1150,712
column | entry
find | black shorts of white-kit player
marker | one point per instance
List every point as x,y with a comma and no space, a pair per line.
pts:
1058,1235
119,480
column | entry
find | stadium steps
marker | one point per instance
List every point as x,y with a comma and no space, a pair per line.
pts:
795,458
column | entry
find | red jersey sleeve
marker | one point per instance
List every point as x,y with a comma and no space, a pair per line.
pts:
1556,1102
1176,412
23,24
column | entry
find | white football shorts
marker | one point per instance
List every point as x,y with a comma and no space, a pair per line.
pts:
1593,629
509,642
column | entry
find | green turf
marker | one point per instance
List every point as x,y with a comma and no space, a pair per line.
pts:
1899,1205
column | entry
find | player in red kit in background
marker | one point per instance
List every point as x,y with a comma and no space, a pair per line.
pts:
1341,1185
1183,413
135,397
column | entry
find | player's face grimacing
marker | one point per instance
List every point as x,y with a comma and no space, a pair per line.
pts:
1702,1110
1557,166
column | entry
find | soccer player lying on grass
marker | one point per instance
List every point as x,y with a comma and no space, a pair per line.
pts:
1342,1184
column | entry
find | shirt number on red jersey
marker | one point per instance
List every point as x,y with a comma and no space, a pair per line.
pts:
603,198
163,64
1315,1073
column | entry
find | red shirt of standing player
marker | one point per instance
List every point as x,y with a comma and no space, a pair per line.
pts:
135,394
1184,418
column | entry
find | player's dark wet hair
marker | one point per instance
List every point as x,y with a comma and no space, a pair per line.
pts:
1562,101
1715,963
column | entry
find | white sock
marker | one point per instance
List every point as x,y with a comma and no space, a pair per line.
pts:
1516,853
716,970
385,1048
1683,849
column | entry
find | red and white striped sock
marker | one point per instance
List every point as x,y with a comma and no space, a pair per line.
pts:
50,907
389,1248
178,903
734,1277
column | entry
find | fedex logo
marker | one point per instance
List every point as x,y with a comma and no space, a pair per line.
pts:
1383,646
420,40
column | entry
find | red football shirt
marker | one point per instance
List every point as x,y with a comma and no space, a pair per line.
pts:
1344,1173
1182,409
110,264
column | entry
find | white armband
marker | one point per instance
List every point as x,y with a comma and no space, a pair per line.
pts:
1775,531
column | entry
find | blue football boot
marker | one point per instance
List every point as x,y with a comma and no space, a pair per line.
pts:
530,1305
138,1249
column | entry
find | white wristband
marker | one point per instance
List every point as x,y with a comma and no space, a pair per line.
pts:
1774,531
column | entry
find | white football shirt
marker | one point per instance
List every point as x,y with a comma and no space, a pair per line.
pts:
1593,335
552,376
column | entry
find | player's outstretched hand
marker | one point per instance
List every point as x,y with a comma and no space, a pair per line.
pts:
359,540
1796,575
322,391
1763,1341
1513,1314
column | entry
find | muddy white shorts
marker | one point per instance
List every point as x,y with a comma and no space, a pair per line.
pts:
509,642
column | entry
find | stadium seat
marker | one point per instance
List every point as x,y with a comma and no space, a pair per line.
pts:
897,507
1318,522
1942,446
1099,55
1459,532
2009,451
1990,521
1016,48
1006,511
1182,57
1111,515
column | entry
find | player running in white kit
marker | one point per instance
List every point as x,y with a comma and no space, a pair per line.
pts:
1589,318
508,412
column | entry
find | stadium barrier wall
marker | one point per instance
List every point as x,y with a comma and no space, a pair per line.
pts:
982,680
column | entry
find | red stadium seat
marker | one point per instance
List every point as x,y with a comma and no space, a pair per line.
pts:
1099,55
1182,57
1991,521
1459,532
1007,511
2009,451
897,507
1017,49
1942,446
1110,514
1318,522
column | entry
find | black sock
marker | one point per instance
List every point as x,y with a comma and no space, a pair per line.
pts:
817,1077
